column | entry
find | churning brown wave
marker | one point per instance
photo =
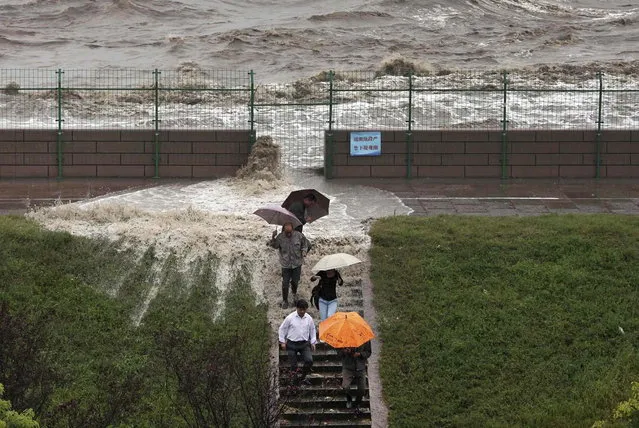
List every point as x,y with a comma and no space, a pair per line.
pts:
289,39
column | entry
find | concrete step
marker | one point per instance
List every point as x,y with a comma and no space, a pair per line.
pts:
320,348
321,401
325,402
317,357
319,366
306,391
360,423
328,379
325,415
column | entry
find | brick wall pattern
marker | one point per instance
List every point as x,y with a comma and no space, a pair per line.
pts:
123,153
478,154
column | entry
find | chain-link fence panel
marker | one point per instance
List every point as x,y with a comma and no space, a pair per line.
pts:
295,115
544,102
620,103
28,99
107,98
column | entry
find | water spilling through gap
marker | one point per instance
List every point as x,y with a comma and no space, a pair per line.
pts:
188,224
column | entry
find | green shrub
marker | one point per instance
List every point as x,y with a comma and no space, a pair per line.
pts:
12,419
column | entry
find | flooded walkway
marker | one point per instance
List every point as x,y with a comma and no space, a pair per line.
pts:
424,197
513,198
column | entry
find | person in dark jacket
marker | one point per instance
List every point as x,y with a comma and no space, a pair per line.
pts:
300,209
292,246
354,368
328,281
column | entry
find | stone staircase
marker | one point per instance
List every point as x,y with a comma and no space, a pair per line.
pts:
321,402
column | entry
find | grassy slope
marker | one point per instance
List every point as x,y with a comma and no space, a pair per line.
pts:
97,361
506,321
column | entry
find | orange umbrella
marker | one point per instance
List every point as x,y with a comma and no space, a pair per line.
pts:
345,330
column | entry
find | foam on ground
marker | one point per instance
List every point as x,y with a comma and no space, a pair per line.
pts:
216,217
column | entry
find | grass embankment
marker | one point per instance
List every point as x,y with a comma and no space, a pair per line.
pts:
71,351
504,321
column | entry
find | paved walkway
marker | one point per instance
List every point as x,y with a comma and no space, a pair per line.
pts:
516,198
19,195
425,197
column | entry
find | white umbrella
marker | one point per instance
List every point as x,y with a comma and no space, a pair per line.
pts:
335,261
274,214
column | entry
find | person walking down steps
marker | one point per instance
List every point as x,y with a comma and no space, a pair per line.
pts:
325,293
292,246
354,369
297,335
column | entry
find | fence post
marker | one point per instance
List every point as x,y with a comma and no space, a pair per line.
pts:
252,110
504,129
328,158
156,134
599,124
409,130
59,141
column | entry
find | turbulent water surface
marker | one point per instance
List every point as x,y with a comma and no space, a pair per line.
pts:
288,39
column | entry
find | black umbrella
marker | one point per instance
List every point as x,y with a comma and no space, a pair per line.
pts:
318,210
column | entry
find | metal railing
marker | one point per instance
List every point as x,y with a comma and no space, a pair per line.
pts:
297,114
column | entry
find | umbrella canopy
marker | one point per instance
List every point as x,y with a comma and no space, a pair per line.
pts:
335,261
274,214
320,209
345,330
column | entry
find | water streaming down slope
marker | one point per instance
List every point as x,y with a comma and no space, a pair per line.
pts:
194,221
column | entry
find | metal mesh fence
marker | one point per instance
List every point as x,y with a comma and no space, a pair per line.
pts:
296,114
108,99
620,103
362,101
193,98
544,102
28,98
120,98
460,100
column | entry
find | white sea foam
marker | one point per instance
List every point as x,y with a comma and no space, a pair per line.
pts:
215,217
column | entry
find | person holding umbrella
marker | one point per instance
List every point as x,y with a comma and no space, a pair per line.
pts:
327,292
354,368
350,334
292,246
307,205
301,210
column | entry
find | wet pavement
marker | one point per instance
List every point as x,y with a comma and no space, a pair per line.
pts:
20,195
514,198
424,197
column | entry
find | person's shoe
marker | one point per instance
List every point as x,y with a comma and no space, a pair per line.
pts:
357,403
284,304
305,382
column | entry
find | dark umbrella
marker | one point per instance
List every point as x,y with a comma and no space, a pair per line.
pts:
320,209
274,214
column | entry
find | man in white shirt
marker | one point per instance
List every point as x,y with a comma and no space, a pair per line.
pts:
297,335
